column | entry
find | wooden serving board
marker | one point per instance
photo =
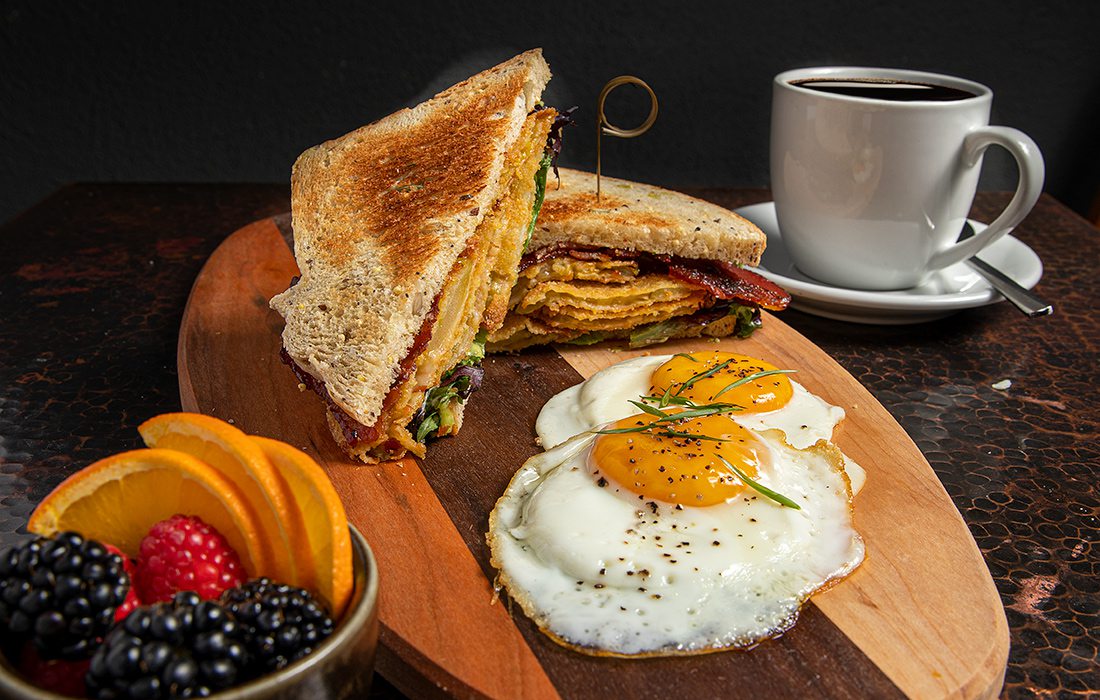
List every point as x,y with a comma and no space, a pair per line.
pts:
919,618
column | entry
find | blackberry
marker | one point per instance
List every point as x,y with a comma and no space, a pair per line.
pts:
281,623
186,648
61,593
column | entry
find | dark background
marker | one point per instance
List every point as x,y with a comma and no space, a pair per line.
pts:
173,91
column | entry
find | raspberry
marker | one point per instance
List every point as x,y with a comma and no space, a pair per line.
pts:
55,675
131,601
183,553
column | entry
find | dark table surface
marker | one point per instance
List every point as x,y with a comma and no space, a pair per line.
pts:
93,283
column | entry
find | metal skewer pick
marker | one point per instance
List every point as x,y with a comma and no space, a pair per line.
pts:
605,127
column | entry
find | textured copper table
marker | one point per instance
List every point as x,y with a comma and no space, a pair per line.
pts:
94,279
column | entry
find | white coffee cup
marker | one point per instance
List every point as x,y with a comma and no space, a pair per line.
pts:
872,193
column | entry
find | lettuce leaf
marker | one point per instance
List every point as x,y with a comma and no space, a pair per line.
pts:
476,353
439,410
590,338
748,320
656,332
437,401
549,160
540,195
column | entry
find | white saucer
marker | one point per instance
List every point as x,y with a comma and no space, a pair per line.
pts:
950,290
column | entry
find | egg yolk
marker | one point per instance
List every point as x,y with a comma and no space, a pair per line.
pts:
674,469
757,396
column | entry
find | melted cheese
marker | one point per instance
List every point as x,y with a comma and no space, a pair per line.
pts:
465,297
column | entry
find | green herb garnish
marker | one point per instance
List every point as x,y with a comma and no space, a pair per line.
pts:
777,497
751,377
650,410
658,430
696,411
667,399
700,376
660,427
688,356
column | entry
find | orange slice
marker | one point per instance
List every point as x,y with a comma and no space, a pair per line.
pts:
241,460
117,499
324,538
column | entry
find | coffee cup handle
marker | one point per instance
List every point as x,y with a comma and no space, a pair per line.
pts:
1032,170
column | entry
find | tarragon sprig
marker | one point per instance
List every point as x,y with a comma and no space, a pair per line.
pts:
700,376
775,496
691,409
752,377
660,429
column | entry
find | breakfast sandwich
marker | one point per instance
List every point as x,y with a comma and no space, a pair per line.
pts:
641,264
408,234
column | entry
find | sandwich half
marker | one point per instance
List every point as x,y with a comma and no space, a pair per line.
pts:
641,264
408,234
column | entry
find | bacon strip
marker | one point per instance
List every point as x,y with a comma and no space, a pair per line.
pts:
575,251
732,283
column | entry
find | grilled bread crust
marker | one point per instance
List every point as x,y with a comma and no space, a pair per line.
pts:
636,216
382,214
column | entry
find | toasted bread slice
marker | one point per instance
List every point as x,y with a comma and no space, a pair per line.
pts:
635,216
398,226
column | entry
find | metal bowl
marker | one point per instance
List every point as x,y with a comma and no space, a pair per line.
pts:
342,667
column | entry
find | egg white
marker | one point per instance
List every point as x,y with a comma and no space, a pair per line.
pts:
605,571
603,398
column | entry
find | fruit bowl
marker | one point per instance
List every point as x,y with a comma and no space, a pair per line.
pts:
341,667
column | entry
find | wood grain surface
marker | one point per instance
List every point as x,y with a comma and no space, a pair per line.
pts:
919,618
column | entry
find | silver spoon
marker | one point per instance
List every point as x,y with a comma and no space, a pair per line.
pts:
1021,298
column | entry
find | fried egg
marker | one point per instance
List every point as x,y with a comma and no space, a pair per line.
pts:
771,402
660,537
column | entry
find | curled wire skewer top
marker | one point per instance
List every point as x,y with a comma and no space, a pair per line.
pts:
603,126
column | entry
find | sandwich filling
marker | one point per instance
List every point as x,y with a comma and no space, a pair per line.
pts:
584,294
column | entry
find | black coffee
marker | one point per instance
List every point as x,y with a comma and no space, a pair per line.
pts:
889,90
